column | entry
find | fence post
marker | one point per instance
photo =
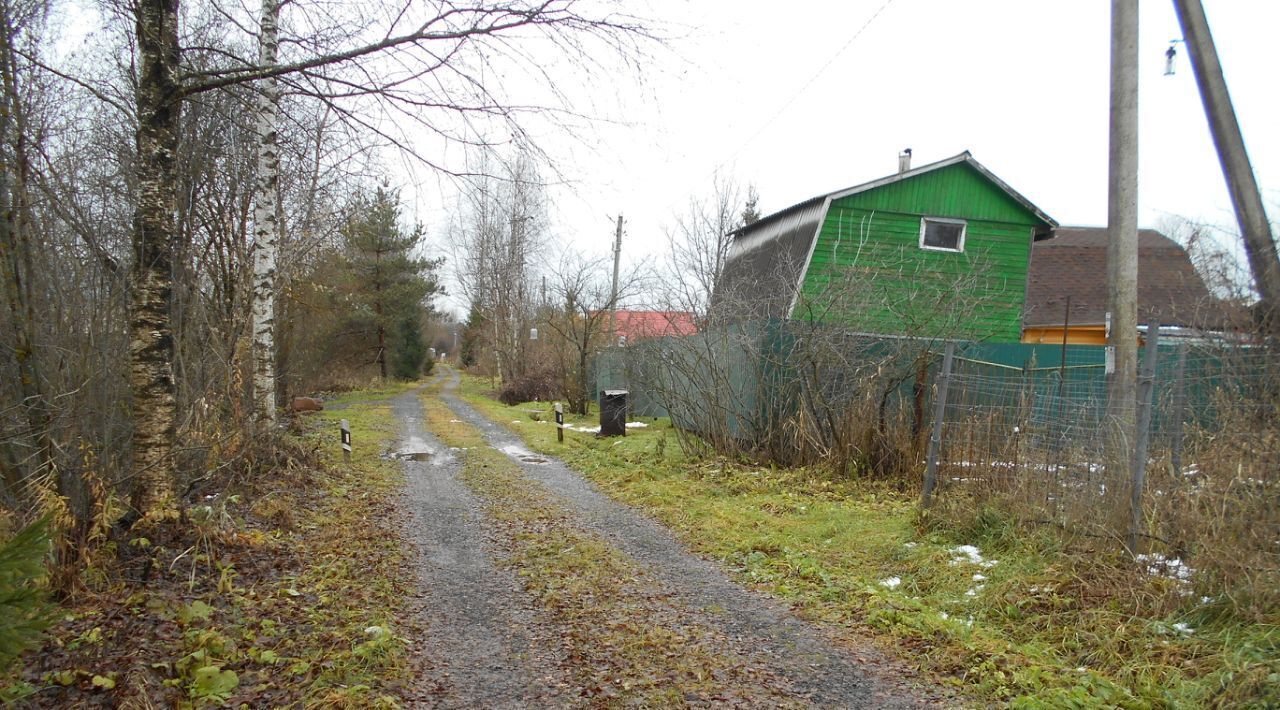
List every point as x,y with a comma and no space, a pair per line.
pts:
1146,385
935,439
559,422
346,440
1179,410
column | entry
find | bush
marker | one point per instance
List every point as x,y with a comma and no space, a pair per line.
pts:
24,612
531,386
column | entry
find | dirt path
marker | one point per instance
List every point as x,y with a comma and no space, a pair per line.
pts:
824,671
495,651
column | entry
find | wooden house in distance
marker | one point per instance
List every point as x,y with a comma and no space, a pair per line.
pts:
941,249
1072,268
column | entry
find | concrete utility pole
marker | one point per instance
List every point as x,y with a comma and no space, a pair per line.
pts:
613,295
1245,198
1122,233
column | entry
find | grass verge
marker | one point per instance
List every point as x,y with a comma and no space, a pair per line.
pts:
1002,612
627,643
286,589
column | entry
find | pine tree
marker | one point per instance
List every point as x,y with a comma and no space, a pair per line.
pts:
408,351
751,210
24,612
388,284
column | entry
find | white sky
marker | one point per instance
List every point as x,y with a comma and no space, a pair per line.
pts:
1022,84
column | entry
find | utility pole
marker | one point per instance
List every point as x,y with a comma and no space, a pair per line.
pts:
1122,234
1241,184
613,298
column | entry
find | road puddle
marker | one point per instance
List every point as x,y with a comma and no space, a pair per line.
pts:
522,454
415,449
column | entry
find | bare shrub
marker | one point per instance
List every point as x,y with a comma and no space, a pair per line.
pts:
531,386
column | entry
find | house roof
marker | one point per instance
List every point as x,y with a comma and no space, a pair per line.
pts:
637,325
1073,263
966,157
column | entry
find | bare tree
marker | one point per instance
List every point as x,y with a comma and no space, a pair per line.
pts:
699,241
500,228
579,316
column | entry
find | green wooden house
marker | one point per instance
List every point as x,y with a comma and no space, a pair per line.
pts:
937,251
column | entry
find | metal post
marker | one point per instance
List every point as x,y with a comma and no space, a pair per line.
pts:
935,439
1241,183
559,422
1122,232
346,440
1179,413
1060,436
1146,385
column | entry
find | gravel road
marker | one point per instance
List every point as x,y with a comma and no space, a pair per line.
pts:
830,672
491,647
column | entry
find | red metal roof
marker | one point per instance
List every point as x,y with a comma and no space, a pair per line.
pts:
638,325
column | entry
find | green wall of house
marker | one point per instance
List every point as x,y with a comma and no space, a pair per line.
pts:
869,272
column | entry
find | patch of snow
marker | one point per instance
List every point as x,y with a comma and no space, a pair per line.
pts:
1157,565
909,545
636,425
979,577
1183,628
944,615
971,555
516,421
891,582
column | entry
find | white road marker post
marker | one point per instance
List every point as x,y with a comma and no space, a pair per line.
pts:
559,422
346,440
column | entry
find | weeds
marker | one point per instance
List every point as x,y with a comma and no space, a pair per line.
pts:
266,598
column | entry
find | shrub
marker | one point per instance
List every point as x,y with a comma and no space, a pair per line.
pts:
529,387
24,611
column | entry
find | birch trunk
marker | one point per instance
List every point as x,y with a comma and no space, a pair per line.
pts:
151,381
266,225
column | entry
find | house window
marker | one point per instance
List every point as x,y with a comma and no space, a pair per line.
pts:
939,234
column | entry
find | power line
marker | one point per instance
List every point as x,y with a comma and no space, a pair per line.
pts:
782,109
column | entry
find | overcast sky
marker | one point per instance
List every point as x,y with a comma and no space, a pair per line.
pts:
803,98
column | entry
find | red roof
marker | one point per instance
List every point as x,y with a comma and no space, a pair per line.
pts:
638,325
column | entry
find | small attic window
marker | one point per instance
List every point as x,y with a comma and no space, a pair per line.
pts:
938,234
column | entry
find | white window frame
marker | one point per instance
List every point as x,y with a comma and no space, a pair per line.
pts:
964,230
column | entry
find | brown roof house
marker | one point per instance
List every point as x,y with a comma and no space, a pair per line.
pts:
1072,264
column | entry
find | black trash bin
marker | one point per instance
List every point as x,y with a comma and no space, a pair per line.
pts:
613,413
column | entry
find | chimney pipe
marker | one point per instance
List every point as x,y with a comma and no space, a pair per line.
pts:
904,161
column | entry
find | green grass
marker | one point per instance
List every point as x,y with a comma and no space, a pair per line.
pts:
1046,628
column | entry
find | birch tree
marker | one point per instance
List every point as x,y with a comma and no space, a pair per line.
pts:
266,226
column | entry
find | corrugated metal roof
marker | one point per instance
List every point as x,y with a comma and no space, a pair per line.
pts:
965,157
762,272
